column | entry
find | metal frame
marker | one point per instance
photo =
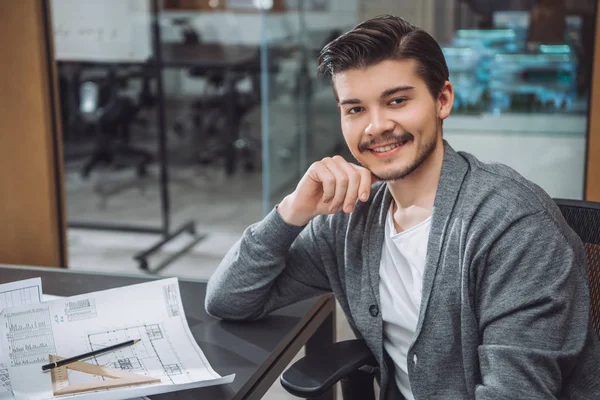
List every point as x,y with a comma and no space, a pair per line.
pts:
165,230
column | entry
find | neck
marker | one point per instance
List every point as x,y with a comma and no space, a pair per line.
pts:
415,194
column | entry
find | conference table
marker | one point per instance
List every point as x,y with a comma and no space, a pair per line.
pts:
257,352
210,56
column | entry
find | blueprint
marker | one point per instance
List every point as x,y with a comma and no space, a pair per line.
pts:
15,294
151,312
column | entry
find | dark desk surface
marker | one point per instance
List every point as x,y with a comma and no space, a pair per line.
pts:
257,352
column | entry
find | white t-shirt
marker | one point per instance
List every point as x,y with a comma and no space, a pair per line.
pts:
400,286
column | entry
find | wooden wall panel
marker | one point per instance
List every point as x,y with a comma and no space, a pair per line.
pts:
592,171
32,226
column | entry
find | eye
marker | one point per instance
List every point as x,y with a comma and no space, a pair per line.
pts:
397,101
354,110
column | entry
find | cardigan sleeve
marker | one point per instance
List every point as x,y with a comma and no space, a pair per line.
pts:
272,265
533,307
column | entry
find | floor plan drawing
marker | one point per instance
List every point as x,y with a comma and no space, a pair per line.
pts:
150,315
153,355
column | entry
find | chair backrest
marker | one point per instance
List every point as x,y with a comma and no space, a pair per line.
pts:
89,93
584,218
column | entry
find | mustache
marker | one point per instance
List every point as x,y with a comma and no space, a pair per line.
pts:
385,138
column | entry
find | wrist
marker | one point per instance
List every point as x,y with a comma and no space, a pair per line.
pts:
290,214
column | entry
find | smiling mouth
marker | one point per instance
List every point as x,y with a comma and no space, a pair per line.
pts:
389,147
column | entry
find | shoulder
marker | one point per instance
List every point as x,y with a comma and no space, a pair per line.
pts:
509,220
496,185
494,197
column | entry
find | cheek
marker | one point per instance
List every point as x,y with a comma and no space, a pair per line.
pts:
417,119
351,132
350,142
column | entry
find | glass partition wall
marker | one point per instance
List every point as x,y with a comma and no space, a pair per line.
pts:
161,107
239,113
522,78
302,121
521,84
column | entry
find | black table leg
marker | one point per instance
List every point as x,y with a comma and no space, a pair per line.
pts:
324,336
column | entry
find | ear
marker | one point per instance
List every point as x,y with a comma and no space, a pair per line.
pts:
445,100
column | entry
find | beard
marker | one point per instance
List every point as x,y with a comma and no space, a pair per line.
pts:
423,154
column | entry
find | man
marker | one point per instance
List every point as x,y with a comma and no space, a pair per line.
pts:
462,277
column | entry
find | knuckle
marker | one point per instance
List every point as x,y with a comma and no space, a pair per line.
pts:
314,166
353,175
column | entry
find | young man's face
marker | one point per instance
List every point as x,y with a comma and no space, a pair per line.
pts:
390,120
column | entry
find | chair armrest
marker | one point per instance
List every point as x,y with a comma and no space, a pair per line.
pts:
314,374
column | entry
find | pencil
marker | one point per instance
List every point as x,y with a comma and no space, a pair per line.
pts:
88,355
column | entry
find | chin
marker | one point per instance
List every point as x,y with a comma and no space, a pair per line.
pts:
390,174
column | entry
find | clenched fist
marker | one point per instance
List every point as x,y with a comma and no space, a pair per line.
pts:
329,186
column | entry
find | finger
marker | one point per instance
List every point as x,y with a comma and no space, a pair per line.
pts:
366,180
341,184
354,179
321,174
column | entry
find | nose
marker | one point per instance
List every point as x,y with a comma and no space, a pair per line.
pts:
379,123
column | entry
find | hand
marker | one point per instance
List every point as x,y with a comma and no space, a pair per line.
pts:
329,186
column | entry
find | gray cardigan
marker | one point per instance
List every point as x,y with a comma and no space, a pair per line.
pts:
505,304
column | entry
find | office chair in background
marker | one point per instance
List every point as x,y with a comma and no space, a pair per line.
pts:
210,120
110,114
352,363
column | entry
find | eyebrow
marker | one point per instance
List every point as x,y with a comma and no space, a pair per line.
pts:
395,90
384,94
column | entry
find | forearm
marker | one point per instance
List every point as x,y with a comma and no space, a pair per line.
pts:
250,281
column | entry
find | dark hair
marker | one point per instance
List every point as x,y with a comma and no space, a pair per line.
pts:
386,38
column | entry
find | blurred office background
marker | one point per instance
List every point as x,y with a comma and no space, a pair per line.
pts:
182,164
184,121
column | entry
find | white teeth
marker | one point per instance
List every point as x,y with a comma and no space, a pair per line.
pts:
386,148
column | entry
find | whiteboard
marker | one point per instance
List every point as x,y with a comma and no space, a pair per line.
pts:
103,31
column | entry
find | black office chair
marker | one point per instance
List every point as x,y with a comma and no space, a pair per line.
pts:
110,115
352,363
210,120
584,218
